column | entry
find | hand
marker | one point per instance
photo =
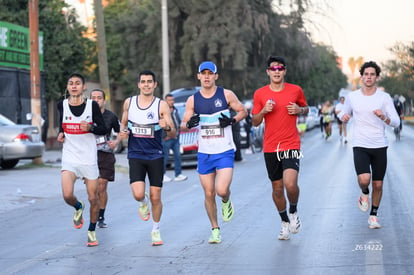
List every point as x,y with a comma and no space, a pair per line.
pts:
194,121
226,121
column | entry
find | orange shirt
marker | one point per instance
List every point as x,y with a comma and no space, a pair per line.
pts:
280,132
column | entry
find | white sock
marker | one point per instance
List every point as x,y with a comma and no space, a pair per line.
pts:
144,201
155,226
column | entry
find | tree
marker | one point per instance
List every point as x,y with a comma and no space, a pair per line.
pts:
398,74
65,49
237,35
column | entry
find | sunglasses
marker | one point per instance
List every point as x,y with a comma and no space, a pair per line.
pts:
277,68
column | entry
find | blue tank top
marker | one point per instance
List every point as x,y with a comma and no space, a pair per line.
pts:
212,139
145,138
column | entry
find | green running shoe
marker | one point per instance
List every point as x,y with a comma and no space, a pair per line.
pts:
78,218
227,210
156,238
92,241
215,236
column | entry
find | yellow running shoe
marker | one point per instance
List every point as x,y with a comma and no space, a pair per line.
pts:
78,218
156,238
215,236
227,210
92,241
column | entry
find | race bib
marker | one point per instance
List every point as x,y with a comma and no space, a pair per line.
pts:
146,131
100,140
211,131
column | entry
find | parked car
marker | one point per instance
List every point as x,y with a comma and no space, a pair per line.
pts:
188,139
18,141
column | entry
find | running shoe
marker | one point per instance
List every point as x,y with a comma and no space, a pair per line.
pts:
215,236
166,179
284,231
227,210
180,177
102,224
92,241
373,222
156,238
143,211
78,218
294,225
363,202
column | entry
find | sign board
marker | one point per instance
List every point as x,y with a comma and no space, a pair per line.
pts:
15,46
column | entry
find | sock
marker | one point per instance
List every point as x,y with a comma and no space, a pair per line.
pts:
156,226
144,201
292,208
78,205
92,226
284,216
101,214
365,191
374,210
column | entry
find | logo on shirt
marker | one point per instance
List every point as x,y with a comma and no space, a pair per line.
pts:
68,117
218,103
150,115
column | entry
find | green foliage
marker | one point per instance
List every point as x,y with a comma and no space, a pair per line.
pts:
398,74
237,35
63,45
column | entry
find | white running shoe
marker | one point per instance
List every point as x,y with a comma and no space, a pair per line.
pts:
284,231
166,179
294,225
180,177
363,202
373,222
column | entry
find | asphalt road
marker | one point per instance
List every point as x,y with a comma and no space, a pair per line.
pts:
37,235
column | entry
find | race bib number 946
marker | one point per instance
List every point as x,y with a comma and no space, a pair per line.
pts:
211,131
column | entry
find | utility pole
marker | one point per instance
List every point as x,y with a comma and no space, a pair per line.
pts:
35,68
165,49
102,56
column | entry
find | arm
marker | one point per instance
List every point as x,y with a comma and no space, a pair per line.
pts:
236,105
188,113
124,120
98,127
61,135
389,115
166,122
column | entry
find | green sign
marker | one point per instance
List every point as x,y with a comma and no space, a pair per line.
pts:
15,46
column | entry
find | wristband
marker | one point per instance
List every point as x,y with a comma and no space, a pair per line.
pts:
385,118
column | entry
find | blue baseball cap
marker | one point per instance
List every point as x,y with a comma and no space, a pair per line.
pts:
207,65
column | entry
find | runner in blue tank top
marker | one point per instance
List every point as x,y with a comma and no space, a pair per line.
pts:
208,110
143,119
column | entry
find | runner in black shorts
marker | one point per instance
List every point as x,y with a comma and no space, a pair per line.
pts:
106,157
372,109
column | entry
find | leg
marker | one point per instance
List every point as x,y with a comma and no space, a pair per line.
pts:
68,179
376,192
223,181
92,190
364,180
102,192
278,195
207,182
155,197
177,157
138,190
290,181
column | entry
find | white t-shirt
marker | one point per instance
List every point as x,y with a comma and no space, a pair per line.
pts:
368,129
